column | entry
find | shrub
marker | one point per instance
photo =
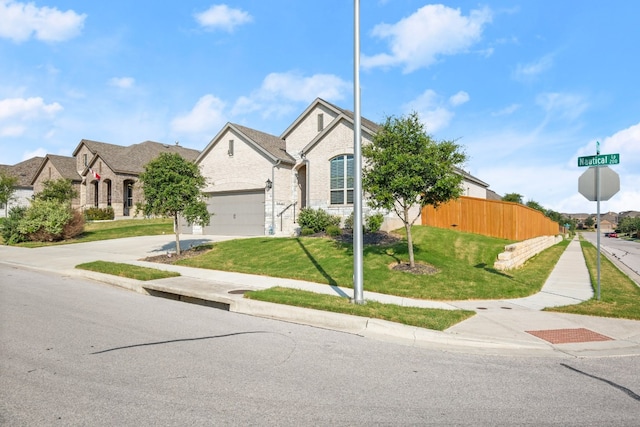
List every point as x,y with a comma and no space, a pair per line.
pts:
333,231
9,229
45,220
373,222
74,227
306,231
348,222
97,214
317,219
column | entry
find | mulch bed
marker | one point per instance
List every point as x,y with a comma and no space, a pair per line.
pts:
171,258
421,269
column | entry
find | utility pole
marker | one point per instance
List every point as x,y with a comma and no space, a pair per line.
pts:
358,292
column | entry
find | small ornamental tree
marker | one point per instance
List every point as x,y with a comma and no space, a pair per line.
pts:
60,189
172,187
406,168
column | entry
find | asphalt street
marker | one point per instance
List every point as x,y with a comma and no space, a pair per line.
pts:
77,352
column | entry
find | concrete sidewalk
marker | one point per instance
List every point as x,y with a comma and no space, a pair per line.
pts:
509,327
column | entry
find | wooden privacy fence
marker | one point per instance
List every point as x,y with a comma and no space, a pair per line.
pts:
494,218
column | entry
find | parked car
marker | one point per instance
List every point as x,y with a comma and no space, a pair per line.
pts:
613,235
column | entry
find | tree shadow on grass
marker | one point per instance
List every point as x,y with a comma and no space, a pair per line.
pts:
492,270
317,265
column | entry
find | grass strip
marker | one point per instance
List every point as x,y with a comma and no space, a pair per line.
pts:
429,318
127,270
619,295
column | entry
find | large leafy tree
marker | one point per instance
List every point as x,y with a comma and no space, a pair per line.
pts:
407,168
172,187
60,189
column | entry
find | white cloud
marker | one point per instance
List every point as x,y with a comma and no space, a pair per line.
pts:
434,111
459,98
222,17
525,72
279,90
12,130
206,117
19,21
507,110
562,105
22,108
432,31
122,82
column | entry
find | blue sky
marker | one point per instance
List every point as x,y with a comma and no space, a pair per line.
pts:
524,86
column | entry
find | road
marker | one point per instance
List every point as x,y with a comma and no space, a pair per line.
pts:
76,352
625,253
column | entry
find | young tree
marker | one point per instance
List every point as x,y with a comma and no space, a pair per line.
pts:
7,187
172,187
406,168
60,189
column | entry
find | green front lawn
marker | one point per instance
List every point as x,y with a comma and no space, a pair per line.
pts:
464,260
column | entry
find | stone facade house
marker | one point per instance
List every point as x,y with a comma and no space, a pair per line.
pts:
55,167
24,172
257,182
109,173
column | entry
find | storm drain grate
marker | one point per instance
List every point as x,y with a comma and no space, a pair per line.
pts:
566,336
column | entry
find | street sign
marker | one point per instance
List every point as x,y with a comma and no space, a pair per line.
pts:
599,160
609,183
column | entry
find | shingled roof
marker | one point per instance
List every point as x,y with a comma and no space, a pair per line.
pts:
270,143
25,171
132,159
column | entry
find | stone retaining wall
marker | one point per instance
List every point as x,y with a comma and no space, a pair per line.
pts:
516,254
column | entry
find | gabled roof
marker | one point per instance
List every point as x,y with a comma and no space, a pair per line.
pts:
66,167
467,176
366,124
131,159
269,145
25,171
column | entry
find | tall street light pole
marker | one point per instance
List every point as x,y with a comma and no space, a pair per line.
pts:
358,292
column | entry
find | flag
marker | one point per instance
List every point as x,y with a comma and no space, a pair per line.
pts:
95,174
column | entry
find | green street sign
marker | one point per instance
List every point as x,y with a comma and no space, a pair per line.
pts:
599,160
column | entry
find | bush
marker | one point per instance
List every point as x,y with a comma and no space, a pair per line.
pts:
98,214
333,231
306,231
9,229
317,219
373,222
44,220
74,227
348,222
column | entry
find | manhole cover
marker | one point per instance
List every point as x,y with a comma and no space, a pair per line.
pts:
238,291
565,336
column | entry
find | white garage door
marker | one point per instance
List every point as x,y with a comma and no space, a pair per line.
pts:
236,214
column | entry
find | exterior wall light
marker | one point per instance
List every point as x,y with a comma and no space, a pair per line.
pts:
268,184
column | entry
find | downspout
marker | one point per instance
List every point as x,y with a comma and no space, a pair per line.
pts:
273,196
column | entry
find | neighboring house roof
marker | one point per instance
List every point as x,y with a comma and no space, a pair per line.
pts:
468,177
269,145
25,171
66,167
131,159
492,195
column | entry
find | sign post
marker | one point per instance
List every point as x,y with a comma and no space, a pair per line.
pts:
591,184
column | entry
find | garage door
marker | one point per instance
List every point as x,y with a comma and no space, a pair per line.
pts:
236,214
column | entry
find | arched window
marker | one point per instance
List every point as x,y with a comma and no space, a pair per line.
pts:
342,179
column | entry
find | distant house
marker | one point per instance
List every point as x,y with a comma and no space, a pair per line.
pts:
105,175
24,172
258,182
109,172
